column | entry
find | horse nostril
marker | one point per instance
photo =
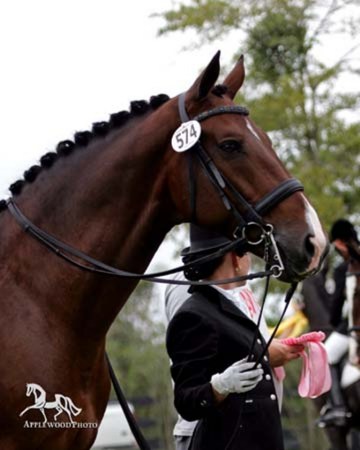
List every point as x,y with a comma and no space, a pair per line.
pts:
309,246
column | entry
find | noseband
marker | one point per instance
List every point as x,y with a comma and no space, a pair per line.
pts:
250,221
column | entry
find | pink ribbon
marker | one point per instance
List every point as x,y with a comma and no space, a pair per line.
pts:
315,376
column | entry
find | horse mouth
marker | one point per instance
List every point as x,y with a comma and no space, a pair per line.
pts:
294,270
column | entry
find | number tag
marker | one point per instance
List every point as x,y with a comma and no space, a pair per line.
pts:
186,136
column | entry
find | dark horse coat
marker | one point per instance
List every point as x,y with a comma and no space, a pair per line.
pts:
206,336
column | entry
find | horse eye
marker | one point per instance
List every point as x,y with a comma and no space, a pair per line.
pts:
230,146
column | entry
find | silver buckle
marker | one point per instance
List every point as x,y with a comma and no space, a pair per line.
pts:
278,267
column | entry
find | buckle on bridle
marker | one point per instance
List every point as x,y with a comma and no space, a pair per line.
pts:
278,267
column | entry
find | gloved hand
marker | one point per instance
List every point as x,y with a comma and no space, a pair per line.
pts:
239,377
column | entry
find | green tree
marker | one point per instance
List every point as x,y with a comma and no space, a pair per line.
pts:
290,91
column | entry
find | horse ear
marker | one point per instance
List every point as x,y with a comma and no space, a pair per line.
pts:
206,79
235,79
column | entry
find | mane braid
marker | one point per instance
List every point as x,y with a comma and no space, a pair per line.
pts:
16,187
139,107
31,174
219,90
101,128
83,138
48,160
3,205
118,119
64,148
158,100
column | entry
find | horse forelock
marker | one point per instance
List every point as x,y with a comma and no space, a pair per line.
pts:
82,139
219,90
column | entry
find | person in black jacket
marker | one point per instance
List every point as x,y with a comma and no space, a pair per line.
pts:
335,411
342,232
208,341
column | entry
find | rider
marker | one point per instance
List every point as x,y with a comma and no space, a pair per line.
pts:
193,363
335,411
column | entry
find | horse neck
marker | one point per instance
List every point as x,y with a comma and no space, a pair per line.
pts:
111,202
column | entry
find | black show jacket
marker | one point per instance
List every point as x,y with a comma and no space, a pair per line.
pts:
207,335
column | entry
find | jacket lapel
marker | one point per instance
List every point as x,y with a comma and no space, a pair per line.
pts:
229,308
224,303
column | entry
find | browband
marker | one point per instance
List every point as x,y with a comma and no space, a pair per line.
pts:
231,109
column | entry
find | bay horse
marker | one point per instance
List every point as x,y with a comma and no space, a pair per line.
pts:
114,193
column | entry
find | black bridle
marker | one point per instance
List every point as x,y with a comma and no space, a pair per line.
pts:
248,221
221,183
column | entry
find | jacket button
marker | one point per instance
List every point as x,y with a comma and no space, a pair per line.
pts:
258,341
203,403
273,397
268,377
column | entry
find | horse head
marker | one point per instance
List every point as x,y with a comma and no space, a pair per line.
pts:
238,183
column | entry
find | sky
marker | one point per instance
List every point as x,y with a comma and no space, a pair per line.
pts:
68,63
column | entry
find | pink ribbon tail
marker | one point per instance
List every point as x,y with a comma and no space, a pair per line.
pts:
315,377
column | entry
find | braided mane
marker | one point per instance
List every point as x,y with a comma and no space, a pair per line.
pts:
83,138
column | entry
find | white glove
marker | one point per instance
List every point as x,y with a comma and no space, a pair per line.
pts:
237,378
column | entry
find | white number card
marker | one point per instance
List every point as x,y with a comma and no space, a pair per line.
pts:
186,136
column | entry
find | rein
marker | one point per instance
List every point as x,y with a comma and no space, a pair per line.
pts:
69,254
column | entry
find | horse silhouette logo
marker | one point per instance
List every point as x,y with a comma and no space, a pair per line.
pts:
61,403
